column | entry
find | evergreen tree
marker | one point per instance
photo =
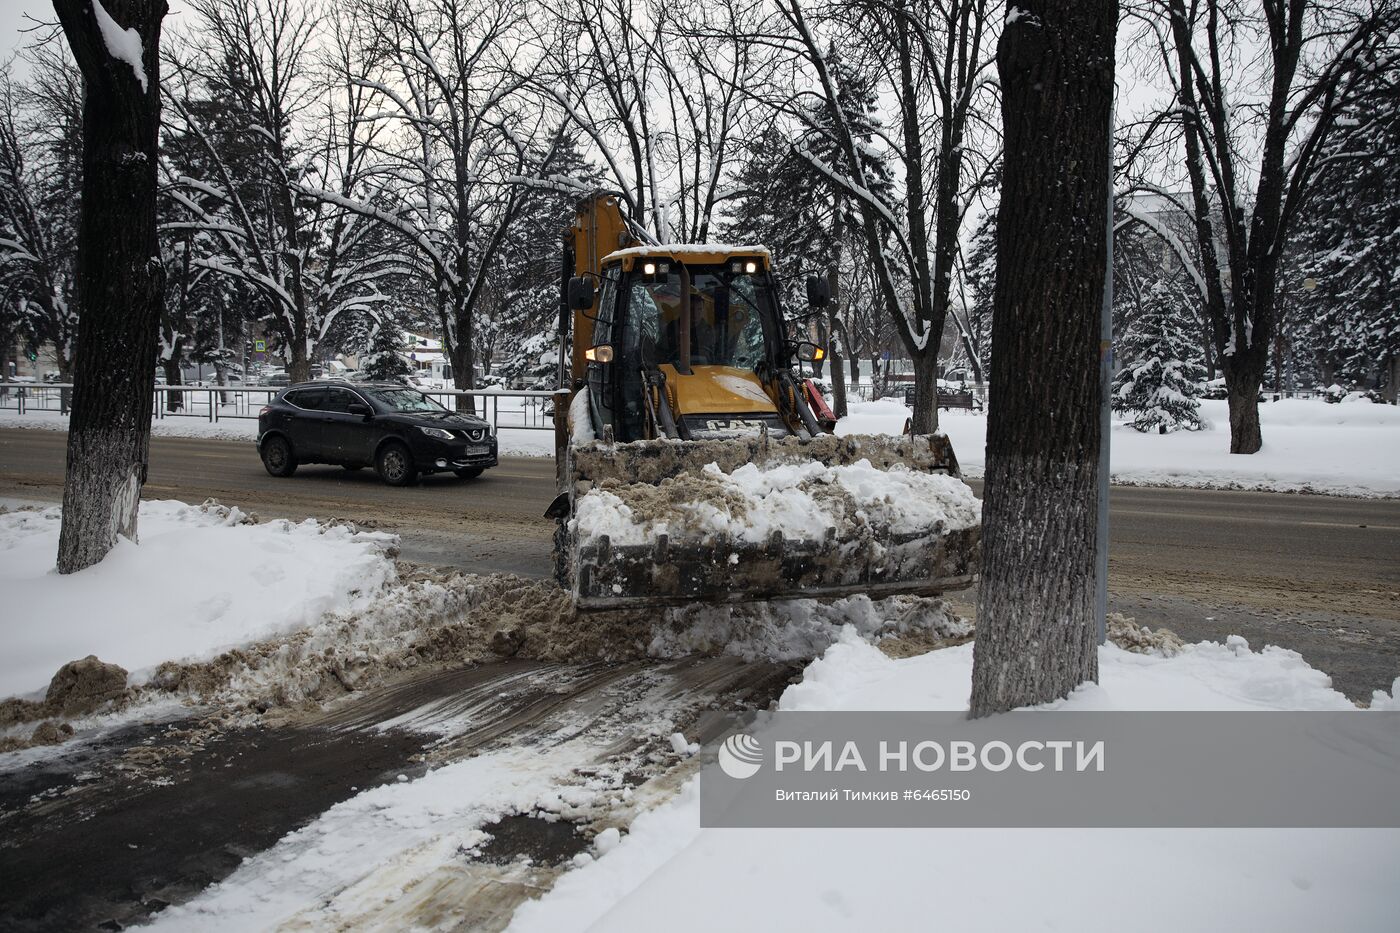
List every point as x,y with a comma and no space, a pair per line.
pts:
980,272
790,203
1160,380
384,362
521,305
1348,240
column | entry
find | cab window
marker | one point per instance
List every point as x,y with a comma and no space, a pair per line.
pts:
728,314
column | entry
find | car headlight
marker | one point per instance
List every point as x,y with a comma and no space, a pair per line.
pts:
438,433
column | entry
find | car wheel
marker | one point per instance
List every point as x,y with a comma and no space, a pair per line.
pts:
277,456
469,472
395,465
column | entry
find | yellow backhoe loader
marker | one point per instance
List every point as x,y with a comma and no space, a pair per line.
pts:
681,375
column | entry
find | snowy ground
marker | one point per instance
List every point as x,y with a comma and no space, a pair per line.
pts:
401,854
1347,449
813,880
198,583
513,442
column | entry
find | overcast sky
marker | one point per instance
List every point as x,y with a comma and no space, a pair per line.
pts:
12,13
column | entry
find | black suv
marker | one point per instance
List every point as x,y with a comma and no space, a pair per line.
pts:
397,430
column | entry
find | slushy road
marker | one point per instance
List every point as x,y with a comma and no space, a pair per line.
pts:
1318,574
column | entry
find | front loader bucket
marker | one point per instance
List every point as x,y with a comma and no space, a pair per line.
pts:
668,522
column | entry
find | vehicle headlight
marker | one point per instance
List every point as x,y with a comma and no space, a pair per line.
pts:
438,433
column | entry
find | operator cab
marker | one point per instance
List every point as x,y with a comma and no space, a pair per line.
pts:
701,326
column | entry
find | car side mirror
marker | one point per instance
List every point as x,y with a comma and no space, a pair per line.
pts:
358,408
809,352
818,291
581,293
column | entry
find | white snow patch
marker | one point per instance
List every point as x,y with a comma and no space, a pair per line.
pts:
816,880
580,418
681,250
338,865
681,747
1309,446
122,44
199,582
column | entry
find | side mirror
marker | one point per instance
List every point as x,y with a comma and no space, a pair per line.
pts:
581,293
359,408
818,291
809,352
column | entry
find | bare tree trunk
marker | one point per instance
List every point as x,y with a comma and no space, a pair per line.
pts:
1244,376
120,280
838,375
925,415
1242,396
1036,632
174,376
298,363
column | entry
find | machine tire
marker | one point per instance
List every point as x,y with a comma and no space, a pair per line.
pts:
394,464
277,456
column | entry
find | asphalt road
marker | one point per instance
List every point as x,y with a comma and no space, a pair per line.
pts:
1317,574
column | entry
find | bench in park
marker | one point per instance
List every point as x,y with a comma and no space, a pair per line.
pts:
949,398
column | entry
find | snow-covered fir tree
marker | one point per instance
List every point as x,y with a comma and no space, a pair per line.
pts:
1160,379
787,203
1348,241
523,284
384,362
979,273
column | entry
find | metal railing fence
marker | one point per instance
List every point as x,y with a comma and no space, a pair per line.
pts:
216,403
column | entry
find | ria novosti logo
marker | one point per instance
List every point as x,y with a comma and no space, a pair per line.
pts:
740,756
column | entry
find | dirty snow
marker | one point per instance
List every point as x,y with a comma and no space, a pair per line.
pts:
199,581
799,629
1169,880
1309,446
800,500
362,855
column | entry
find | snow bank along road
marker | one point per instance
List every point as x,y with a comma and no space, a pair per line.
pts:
1320,575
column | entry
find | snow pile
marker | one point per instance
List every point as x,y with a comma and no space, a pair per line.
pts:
802,501
1309,446
1169,880
200,581
356,629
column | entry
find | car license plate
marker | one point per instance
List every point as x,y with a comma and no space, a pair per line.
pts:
477,451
